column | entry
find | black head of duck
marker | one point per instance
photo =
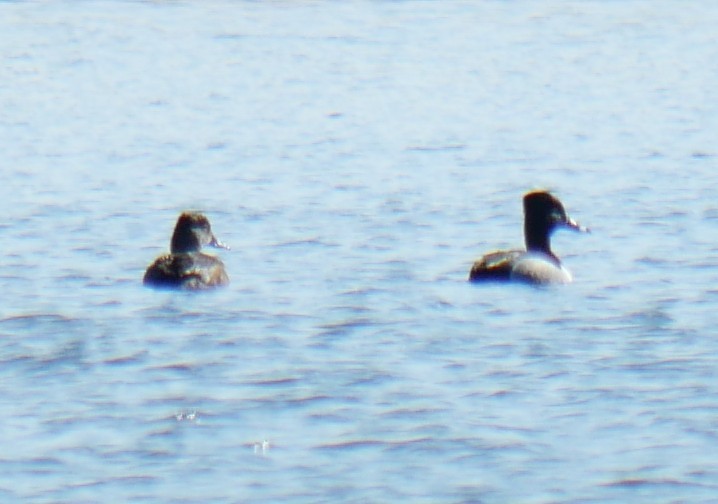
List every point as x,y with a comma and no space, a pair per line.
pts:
186,266
543,214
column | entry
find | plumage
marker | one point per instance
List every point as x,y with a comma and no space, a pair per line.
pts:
185,267
543,213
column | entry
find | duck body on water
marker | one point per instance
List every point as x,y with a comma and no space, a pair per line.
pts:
543,213
185,267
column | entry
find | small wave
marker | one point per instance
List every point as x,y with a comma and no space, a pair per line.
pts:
302,401
35,317
275,382
126,359
647,482
436,148
305,241
354,445
343,328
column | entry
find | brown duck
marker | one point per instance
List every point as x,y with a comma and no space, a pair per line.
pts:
185,267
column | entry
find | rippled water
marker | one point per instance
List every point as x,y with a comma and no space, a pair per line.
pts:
358,156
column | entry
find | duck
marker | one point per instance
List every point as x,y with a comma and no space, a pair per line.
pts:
185,267
543,214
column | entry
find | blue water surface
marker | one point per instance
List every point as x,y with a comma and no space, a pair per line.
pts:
358,156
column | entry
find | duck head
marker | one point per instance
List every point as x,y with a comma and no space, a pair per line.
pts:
543,213
191,233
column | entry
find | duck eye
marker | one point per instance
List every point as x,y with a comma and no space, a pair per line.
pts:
558,216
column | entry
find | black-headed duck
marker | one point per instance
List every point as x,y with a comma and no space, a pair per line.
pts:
543,213
185,267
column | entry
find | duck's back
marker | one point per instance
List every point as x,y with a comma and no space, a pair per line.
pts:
496,266
186,271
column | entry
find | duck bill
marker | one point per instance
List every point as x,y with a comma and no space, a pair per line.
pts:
218,244
572,224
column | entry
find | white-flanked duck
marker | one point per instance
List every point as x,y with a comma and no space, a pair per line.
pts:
543,213
185,267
